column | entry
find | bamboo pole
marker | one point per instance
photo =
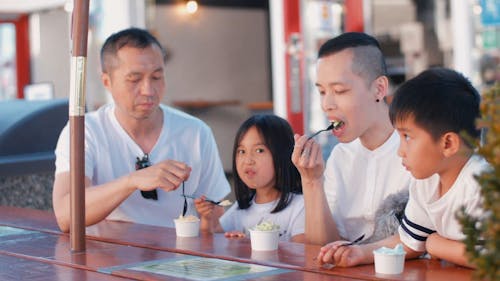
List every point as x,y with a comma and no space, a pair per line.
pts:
79,33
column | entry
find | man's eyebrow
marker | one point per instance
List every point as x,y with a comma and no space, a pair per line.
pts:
134,73
329,84
159,69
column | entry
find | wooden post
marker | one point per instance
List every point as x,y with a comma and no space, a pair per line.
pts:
79,32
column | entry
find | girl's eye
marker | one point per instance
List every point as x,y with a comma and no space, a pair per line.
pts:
259,150
406,137
340,91
240,151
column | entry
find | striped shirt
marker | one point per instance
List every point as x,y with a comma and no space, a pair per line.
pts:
427,213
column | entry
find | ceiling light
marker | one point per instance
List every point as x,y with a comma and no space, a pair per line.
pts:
191,7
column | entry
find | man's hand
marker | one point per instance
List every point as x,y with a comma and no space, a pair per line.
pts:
336,253
308,159
167,175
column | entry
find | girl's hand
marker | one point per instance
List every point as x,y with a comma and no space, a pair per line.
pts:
336,253
234,234
205,209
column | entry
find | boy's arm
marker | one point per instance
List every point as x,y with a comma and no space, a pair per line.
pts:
347,256
446,249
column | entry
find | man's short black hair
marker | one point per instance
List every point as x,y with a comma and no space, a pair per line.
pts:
368,60
440,100
131,37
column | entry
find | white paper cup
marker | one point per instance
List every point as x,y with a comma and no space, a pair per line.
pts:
389,263
185,228
264,240
268,256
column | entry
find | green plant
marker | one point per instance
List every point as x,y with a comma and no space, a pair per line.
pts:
486,256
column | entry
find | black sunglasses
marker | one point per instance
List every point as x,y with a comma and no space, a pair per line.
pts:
141,164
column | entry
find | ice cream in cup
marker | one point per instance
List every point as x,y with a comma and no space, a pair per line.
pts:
389,261
264,236
187,226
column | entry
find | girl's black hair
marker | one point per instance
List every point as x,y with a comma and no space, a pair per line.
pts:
278,138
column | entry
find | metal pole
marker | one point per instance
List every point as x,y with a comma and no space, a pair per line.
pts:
79,32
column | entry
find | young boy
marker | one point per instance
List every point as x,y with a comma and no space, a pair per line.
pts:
431,113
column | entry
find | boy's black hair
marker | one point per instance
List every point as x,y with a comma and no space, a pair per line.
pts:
440,100
368,60
278,138
132,37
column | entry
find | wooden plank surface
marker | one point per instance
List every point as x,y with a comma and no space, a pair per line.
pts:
54,249
15,268
289,255
292,256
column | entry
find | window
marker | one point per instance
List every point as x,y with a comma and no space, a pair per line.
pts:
14,56
8,77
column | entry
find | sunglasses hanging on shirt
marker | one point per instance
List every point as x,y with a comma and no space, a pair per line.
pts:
142,163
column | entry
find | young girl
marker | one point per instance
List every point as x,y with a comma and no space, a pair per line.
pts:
267,184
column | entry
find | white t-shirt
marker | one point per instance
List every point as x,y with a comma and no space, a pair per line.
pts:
291,219
357,180
110,153
426,212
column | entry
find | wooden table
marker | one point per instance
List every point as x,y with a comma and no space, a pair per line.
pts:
111,243
16,268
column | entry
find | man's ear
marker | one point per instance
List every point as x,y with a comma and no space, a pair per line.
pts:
450,144
381,87
106,80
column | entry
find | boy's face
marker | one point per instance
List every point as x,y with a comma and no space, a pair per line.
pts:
345,96
421,154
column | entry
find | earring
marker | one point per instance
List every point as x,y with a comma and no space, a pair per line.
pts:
377,100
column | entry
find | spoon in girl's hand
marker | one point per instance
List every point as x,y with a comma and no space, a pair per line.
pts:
223,203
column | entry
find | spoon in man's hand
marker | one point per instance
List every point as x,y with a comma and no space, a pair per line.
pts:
333,125
354,242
